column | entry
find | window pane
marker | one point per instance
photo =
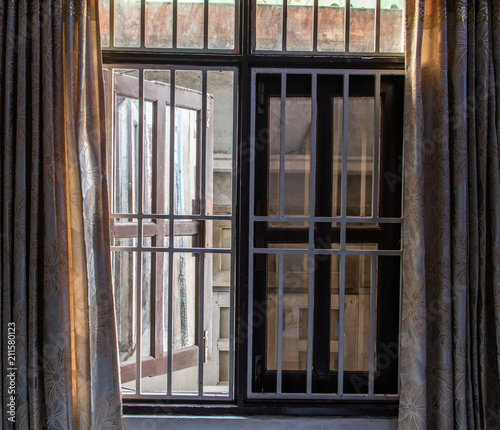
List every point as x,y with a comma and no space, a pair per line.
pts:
299,26
127,23
185,308
158,24
362,26
221,28
104,22
269,25
220,87
126,145
190,24
124,265
360,151
391,26
331,31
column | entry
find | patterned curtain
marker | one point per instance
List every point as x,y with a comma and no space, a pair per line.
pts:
59,353
450,341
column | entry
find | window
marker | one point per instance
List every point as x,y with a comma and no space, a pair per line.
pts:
255,192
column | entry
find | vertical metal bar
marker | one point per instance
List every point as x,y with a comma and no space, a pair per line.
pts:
171,231
377,26
376,147
203,141
282,144
112,24
315,25
373,304
347,25
205,24
311,259
143,24
138,361
340,382
251,233
201,317
174,24
233,238
279,364
285,26
201,337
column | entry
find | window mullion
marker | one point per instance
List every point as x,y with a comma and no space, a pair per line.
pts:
171,223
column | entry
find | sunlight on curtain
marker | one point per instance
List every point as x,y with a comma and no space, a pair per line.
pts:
56,282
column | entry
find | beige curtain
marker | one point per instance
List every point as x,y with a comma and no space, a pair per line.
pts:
450,340
55,257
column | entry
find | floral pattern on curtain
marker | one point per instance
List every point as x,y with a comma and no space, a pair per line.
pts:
55,270
450,338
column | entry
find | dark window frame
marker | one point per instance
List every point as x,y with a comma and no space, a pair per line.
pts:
244,60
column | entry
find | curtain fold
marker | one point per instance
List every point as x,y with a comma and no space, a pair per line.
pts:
450,334
56,275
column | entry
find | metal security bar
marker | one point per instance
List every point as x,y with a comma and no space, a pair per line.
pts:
342,376
190,235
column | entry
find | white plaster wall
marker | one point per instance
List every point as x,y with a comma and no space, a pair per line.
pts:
259,423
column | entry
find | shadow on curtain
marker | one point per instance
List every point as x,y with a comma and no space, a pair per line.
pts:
450,340
55,273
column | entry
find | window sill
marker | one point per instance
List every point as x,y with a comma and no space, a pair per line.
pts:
260,422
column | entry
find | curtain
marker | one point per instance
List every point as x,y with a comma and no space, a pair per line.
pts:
450,334
59,350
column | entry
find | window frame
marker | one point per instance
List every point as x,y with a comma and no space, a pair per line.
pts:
244,60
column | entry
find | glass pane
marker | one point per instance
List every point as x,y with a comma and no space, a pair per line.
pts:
295,286
149,179
334,312
220,87
297,155
338,142
216,326
187,233
124,266
327,235
190,24
187,142
357,321
158,24
331,27
154,327
127,23
155,233
157,88
269,25
185,308
271,310
126,146
104,22
360,155
299,25
362,26
221,28
391,26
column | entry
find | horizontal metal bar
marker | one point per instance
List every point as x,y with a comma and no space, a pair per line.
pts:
345,219
324,251
174,217
322,396
167,249
332,71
